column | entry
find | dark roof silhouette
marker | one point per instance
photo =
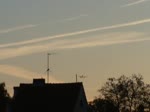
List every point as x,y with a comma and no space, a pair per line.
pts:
41,96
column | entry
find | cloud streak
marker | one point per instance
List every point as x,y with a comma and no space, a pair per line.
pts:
31,25
134,3
21,73
122,38
75,18
17,28
99,40
75,33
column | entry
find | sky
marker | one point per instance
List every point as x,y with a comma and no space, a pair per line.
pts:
95,38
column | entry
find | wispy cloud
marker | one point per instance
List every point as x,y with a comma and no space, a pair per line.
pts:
108,39
21,73
134,3
8,30
70,19
16,28
99,40
76,33
75,18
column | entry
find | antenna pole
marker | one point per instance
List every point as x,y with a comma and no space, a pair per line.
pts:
76,78
48,69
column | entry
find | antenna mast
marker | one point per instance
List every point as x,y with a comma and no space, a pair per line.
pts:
76,78
48,69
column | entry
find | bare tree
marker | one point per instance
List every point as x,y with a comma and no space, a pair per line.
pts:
128,93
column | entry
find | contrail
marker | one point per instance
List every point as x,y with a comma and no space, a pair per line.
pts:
75,18
134,3
74,43
21,73
17,28
31,25
75,33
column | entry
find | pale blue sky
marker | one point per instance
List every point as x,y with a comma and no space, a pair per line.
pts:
96,38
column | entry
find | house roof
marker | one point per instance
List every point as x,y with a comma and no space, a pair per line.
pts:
47,96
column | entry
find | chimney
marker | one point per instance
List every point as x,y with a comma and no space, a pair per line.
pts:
38,82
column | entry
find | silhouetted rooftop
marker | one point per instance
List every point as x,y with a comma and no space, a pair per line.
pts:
46,96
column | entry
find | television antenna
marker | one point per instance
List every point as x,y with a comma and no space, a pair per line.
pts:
80,76
48,65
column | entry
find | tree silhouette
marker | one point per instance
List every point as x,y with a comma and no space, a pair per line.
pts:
140,108
127,93
102,105
4,98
